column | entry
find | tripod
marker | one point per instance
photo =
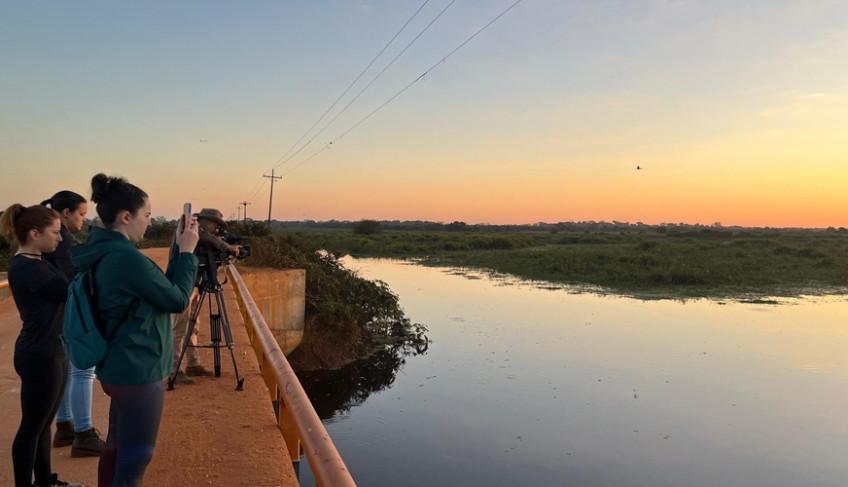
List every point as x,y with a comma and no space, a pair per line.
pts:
218,322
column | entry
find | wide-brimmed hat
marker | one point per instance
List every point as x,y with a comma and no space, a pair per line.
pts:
212,214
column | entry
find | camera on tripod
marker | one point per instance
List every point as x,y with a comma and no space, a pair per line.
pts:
244,250
209,260
206,253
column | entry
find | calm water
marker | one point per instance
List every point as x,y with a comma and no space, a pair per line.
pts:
529,386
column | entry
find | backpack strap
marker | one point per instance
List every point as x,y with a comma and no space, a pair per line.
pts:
101,322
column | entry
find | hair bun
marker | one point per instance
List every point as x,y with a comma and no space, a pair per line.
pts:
99,187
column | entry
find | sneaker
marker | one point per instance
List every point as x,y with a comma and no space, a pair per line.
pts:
64,434
87,444
182,378
55,482
198,371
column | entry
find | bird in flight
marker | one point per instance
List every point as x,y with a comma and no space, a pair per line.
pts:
203,140
638,168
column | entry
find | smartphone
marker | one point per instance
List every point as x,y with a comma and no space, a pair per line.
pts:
186,215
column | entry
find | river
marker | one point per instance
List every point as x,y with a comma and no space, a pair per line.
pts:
527,385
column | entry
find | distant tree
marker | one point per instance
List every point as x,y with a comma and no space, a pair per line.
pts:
161,229
367,227
249,228
456,226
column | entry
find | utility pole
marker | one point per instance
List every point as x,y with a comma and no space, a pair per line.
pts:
245,203
271,199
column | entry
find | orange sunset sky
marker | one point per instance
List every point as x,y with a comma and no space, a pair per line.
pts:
734,111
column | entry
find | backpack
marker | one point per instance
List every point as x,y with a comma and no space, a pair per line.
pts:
84,336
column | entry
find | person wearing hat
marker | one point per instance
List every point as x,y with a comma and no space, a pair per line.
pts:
211,215
210,223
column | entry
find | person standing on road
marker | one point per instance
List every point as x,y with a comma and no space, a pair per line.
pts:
73,419
40,291
210,224
135,299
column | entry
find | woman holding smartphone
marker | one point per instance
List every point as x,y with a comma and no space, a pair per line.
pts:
135,299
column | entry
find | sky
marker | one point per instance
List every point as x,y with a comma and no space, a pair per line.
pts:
734,112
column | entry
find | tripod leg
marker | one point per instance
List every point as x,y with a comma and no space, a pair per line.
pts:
228,334
192,322
215,332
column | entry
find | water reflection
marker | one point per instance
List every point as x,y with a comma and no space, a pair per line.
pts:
530,386
336,391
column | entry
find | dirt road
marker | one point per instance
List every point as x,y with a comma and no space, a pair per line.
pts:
210,434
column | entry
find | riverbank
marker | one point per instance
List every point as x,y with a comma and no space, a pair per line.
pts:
740,265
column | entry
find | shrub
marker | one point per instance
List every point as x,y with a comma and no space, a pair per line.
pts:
249,228
354,313
367,227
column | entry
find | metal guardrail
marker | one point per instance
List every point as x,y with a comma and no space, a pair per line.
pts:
296,418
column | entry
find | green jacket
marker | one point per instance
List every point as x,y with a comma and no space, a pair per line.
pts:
142,348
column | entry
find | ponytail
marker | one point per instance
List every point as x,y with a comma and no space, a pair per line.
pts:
65,200
17,221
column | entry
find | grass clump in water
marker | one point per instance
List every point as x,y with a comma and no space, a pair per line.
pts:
709,264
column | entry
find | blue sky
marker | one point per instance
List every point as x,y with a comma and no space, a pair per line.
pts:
734,110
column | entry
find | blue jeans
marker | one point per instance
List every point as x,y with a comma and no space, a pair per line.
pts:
76,401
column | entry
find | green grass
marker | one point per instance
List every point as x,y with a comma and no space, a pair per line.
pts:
650,264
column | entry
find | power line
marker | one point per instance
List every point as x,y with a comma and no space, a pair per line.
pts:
271,198
245,203
419,78
258,187
442,60
283,159
370,83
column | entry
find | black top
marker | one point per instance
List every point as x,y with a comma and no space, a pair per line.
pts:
40,291
61,257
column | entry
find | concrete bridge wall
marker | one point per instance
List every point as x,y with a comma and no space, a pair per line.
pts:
281,298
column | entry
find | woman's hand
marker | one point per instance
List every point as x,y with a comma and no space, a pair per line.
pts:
187,238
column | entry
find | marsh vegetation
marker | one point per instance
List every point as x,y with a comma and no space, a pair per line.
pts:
637,260
653,262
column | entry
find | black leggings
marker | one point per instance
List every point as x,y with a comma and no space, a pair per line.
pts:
134,415
42,383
